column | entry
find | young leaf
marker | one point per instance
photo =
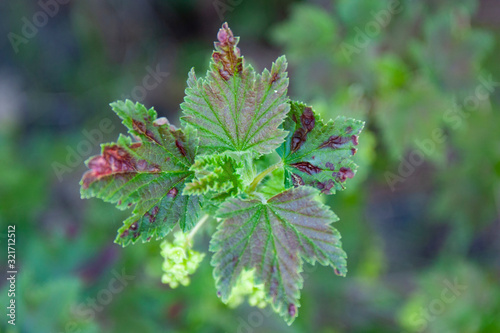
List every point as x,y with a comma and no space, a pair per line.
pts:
149,173
318,154
233,108
273,237
215,173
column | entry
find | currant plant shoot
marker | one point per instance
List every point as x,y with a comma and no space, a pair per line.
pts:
246,159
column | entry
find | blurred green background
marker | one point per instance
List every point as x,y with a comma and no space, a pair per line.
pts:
420,221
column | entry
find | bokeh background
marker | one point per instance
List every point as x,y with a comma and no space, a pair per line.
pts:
420,221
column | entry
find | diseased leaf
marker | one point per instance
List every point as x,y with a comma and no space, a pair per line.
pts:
318,154
233,108
235,120
273,237
149,172
217,174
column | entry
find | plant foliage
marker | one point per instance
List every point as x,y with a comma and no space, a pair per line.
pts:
233,117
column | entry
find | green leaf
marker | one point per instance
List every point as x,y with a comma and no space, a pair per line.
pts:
233,108
273,237
215,173
318,154
149,173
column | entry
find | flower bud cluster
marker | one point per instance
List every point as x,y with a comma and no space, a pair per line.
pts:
246,286
180,260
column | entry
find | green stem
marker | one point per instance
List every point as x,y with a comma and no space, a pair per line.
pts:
197,227
262,175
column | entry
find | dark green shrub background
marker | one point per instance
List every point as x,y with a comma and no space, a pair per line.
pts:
423,212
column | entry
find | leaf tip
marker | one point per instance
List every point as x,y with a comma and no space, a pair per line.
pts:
292,313
227,56
340,271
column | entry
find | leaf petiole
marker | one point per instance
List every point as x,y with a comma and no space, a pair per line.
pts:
253,185
197,227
